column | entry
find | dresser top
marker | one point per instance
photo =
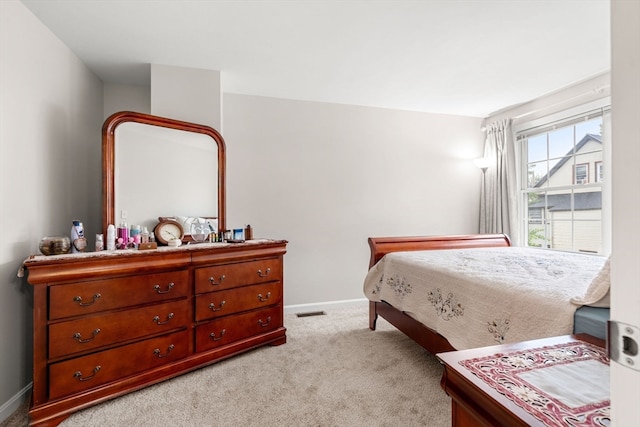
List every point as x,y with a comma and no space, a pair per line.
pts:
46,269
37,259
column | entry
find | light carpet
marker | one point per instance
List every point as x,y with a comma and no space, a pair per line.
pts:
333,371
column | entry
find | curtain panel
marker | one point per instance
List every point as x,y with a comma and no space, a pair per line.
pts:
498,198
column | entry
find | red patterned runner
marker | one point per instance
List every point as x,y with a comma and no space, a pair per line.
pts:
562,385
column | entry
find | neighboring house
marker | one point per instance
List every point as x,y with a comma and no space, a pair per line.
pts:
560,214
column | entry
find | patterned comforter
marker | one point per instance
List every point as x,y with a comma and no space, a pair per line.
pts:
485,296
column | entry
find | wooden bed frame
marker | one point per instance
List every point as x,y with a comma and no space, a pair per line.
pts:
380,246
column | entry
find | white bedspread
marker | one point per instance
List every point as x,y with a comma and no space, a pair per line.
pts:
485,296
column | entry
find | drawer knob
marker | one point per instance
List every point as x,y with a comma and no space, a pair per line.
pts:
263,324
78,299
263,299
213,282
156,319
265,274
169,287
78,336
79,376
213,337
212,306
159,356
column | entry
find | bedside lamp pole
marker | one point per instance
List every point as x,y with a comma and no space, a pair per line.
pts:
483,164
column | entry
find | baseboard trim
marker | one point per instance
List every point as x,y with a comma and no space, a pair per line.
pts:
320,306
9,407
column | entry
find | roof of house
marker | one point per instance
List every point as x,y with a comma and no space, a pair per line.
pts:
588,137
562,202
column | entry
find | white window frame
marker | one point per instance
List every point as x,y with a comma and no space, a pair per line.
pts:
561,119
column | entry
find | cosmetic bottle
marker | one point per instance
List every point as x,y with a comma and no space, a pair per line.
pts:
99,242
144,237
123,233
135,231
111,237
78,241
248,232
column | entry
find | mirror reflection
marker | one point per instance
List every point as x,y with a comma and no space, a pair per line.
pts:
163,172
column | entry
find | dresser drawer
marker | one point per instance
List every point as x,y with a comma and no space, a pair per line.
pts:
227,330
226,276
105,329
83,373
99,295
222,303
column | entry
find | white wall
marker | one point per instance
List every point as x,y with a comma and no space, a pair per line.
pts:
50,169
326,177
121,97
188,94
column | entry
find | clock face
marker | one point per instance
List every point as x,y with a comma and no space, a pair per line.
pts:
168,230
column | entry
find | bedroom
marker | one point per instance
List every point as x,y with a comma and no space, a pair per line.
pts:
63,108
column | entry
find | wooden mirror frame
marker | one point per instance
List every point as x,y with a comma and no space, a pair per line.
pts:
108,158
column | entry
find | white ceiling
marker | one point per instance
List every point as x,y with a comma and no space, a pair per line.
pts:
466,57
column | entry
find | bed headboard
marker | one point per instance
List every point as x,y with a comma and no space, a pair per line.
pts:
380,246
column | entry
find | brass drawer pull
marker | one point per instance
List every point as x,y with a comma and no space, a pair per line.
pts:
78,374
263,299
157,351
156,319
265,274
213,337
263,324
78,299
213,282
78,336
212,306
169,287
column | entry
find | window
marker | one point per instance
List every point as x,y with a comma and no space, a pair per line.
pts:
581,175
563,202
599,175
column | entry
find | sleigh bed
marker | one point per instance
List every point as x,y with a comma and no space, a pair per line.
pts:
465,291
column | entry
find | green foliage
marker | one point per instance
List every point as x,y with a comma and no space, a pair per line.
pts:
535,236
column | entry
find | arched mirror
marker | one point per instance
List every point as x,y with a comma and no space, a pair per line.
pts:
159,167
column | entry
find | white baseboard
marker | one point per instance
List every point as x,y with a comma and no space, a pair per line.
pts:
9,407
301,308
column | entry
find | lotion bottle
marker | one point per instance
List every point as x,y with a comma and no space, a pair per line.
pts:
111,237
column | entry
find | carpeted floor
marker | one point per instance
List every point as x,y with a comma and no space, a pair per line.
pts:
333,371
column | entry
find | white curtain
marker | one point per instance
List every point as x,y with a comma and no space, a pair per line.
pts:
498,201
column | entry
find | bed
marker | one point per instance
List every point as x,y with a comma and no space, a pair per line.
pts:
466,291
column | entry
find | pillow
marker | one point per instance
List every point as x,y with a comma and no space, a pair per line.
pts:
598,293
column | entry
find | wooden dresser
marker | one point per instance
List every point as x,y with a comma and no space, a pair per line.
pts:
108,323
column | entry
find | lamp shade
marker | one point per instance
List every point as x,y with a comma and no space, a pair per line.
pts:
482,163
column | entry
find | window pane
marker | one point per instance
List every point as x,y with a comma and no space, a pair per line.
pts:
560,143
537,174
536,203
593,127
537,147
